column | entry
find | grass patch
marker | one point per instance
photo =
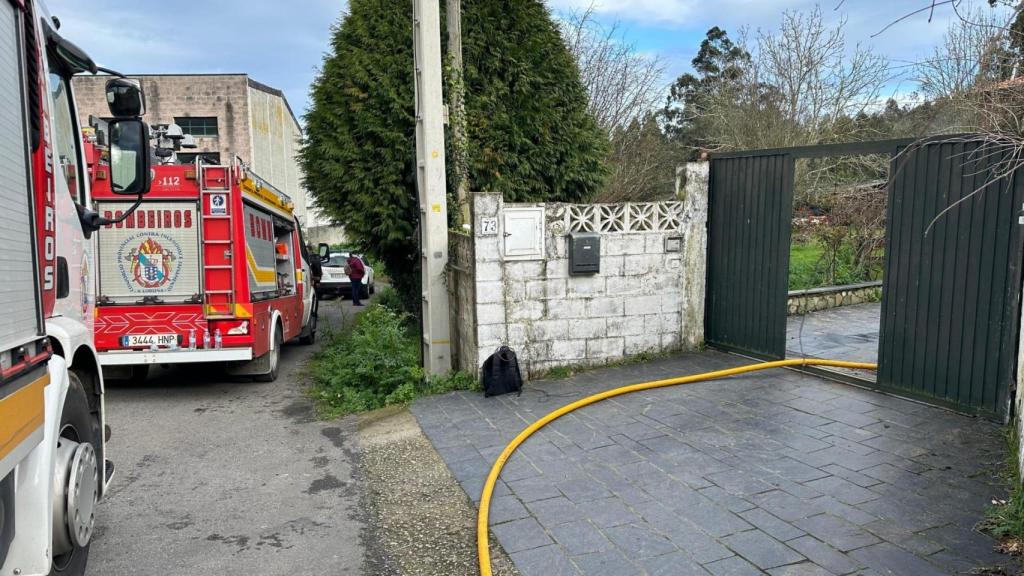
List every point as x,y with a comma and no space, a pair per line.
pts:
808,267
375,363
803,261
1005,519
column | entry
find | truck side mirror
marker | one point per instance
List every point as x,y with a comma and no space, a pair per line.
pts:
125,98
323,251
129,156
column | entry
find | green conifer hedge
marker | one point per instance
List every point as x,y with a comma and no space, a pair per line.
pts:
530,136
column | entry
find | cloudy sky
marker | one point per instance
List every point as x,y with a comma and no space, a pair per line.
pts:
282,43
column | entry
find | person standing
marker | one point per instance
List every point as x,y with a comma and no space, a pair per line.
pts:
316,269
356,271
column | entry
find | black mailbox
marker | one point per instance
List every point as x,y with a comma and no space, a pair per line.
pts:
584,253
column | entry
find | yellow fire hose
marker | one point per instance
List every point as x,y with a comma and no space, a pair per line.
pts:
485,499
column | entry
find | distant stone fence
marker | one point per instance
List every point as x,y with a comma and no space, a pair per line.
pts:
816,299
647,298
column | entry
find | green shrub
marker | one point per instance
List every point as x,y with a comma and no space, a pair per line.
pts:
391,299
362,368
376,363
451,382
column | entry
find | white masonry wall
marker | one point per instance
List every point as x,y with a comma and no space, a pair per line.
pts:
644,300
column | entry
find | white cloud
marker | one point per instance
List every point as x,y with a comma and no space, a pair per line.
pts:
121,40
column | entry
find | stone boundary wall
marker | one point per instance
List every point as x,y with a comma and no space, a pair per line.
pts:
647,298
462,299
816,299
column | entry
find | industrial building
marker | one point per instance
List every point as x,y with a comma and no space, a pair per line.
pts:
228,115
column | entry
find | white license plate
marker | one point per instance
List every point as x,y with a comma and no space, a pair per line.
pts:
147,340
338,276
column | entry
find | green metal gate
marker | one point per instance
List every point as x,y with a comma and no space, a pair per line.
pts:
952,284
951,297
750,207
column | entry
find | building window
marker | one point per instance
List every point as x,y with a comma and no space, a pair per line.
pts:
203,126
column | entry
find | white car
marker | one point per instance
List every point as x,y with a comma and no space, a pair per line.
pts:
335,281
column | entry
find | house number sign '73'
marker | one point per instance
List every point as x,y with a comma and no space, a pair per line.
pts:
488,226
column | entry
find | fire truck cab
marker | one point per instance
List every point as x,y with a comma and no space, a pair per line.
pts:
212,267
53,460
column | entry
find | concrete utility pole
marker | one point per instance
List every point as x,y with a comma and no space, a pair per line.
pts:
457,109
430,179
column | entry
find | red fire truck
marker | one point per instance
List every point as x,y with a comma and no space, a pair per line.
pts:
212,267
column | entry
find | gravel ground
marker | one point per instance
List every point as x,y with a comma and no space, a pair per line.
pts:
422,522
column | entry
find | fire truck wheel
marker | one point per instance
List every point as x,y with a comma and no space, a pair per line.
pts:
275,358
308,335
76,483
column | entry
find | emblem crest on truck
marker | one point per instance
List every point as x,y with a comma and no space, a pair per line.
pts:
150,264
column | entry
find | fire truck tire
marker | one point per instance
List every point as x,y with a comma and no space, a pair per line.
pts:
78,427
275,358
308,335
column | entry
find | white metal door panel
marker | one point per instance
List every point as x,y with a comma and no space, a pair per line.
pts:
155,252
524,233
18,289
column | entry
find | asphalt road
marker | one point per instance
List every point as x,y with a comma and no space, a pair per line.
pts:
226,476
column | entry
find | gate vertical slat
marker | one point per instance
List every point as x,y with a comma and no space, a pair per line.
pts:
915,283
775,167
961,232
729,205
993,296
755,326
949,226
891,279
957,281
740,206
937,238
762,190
716,182
925,272
972,395
983,326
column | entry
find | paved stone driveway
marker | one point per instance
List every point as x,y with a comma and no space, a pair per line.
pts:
776,472
844,333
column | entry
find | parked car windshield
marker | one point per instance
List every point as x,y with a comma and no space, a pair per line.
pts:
339,259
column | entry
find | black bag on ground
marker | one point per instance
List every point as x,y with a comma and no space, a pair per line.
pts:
500,373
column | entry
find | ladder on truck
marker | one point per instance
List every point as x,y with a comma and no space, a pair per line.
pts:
218,244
